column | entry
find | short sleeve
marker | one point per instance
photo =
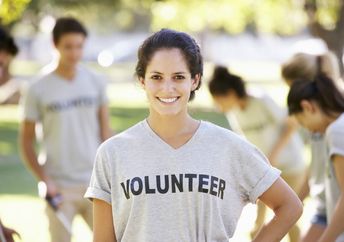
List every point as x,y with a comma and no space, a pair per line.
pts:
30,103
335,141
257,175
100,184
275,113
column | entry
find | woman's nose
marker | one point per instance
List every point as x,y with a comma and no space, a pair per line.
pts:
168,85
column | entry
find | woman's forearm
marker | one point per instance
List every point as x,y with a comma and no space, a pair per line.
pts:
289,129
285,217
287,208
305,189
336,225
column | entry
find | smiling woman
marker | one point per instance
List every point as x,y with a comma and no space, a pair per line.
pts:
174,178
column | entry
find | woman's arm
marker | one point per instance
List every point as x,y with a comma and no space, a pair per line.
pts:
103,228
289,128
287,208
8,233
304,189
336,225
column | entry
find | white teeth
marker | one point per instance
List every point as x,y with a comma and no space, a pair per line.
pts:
168,100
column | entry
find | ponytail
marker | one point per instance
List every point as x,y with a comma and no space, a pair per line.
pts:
322,90
223,81
304,66
329,66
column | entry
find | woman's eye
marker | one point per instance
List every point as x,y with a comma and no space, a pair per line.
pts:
156,77
179,77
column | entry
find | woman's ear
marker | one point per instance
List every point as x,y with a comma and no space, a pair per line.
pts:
195,82
308,106
142,82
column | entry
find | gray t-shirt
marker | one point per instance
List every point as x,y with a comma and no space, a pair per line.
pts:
193,193
335,144
317,174
261,122
68,114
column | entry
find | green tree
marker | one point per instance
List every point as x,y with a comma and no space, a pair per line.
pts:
11,10
323,18
326,21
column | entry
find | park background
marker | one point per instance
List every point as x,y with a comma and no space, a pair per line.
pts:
251,37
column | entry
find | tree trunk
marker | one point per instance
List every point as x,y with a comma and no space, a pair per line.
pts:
333,38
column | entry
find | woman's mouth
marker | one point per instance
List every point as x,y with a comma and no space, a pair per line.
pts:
168,100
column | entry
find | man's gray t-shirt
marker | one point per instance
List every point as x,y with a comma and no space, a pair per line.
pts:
68,112
335,144
193,193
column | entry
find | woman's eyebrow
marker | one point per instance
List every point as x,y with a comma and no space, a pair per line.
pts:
156,72
175,73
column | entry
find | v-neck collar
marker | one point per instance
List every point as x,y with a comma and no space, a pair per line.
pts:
163,143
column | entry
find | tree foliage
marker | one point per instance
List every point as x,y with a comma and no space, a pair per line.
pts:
273,16
11,10
233,16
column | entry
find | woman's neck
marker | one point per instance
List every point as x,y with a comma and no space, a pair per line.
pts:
169,127
66,71
5,77
243,102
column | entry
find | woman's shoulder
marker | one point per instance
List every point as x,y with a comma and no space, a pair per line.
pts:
125,138
336,126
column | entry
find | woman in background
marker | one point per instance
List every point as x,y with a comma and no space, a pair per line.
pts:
318,105
264,124
302,66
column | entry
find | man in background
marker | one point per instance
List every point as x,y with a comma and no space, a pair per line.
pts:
71,105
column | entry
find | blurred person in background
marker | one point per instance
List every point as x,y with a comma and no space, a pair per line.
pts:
9,86
70,103
303,66
266,125
318,105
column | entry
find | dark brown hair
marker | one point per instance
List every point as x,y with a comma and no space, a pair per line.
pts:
322,90
67,25
223,81
7,43
169,39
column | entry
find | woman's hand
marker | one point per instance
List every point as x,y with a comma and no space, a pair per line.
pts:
9,233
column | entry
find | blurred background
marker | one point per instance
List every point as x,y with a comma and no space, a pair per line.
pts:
251,37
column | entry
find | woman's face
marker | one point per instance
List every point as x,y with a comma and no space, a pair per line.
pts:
226,103
312,118
168,82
